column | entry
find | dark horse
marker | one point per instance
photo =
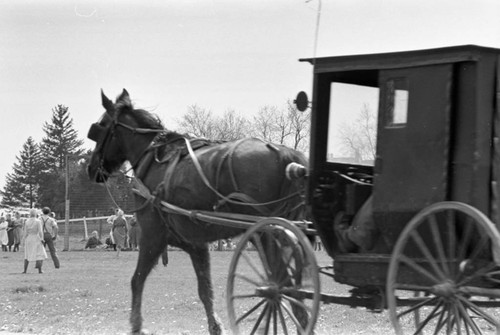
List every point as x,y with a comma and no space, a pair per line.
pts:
245,176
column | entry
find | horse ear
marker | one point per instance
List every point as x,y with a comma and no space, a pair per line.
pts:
106,103
124,99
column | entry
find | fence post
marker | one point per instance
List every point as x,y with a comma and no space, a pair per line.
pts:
86,237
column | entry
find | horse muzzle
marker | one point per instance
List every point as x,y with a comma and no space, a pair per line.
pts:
96,175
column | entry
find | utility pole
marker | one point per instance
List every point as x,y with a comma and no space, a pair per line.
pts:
66,208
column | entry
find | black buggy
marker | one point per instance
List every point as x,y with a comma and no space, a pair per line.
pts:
415,231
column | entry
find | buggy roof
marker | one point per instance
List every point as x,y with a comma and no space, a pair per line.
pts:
401,59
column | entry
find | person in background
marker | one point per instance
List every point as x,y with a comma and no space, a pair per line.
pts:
134,233
119,231
50,230
4,239
33,242
10,231
93,241
17,224
110,222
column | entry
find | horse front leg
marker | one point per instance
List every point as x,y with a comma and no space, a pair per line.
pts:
200,258
151,247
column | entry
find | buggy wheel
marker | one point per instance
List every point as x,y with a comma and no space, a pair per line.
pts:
273,284
448,256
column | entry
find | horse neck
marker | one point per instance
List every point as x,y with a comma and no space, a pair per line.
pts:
136,146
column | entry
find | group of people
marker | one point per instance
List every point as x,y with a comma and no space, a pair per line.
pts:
123,234
37,232
11,231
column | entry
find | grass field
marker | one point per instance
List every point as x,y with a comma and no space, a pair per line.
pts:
90,294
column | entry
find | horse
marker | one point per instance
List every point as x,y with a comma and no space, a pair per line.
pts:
245,176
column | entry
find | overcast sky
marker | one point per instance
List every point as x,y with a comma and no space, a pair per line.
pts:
220,55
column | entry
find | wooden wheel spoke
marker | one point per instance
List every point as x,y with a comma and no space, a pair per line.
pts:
282,320
466,238
253,309
442,321
251,263
436,235
277,271
427,254
283,276
490,275
479,247
479,273
293,318
417,306
244,296
262,254
247,279
428,318
479,312
275,318
268,317
411,263
451,237
468,322
259,320
298,303
457,317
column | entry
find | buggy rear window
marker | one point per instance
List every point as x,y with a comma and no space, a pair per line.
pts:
396,102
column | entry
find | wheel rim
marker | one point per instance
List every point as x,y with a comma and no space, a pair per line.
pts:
449,268
274,286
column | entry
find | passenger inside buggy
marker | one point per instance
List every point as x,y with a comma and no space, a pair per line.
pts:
343,211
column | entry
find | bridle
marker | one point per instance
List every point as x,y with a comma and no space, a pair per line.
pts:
102,135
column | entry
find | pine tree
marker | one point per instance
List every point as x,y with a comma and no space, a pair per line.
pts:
61,140
22,183
12,194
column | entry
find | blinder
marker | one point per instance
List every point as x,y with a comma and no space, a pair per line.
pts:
97,132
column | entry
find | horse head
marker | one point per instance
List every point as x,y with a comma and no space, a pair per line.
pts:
122,133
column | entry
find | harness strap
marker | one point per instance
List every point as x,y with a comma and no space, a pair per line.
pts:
223,197
242,198
168,174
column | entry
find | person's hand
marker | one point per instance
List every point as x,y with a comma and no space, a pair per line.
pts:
54,238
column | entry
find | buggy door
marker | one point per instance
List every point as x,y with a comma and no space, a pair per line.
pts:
411,167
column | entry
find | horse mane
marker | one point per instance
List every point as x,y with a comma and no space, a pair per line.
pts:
144,118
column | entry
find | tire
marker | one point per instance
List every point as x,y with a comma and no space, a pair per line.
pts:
447,258
273,284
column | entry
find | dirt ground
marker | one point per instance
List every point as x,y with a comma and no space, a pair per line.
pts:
90,294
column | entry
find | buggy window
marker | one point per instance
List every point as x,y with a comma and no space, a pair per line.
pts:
396,102
352,128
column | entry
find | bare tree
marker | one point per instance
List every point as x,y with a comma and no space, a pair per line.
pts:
231,126
285,126
300,127
263,124
358,139
198,122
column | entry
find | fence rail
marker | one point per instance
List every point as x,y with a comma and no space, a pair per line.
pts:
98,224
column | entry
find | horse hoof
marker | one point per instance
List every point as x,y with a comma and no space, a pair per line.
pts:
141,332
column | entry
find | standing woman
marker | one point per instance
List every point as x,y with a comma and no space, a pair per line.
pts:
119,231
33,239
17,224
4,239
134,233
10,231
